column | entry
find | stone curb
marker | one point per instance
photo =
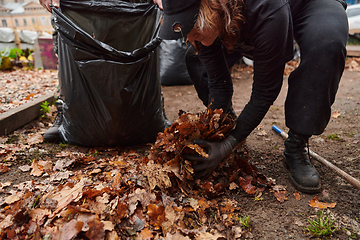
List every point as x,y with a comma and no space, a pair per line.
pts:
17,117
353,50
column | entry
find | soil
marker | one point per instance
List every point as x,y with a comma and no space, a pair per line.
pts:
270,219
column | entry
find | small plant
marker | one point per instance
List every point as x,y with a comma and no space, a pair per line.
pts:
62,144
351,134
245,221
95,153
323,226
334,137
45,108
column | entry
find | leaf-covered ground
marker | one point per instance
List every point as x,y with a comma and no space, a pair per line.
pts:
21,86
59,191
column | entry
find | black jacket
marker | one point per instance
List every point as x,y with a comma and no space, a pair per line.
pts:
266,37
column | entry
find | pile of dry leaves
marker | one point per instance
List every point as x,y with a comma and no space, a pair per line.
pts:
113,195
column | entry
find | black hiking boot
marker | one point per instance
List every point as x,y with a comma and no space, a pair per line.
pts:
52,134
303,174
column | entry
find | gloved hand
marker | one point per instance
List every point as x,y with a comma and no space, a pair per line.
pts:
217,151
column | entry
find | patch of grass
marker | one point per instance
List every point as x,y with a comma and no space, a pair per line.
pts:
322,226
62,144
45,108
335,137
245,221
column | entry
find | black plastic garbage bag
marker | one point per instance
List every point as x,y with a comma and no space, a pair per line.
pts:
108,72
173,69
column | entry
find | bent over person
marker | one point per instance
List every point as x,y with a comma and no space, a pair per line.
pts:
222,31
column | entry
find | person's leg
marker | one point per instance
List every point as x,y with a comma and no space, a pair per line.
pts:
321,32
52,134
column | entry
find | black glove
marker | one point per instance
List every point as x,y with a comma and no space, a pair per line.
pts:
217,151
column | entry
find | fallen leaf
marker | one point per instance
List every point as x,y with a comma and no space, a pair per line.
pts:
85,218
171,216
237,231
37,169
233,186
247,185
315,203
39,214
25,168
96,229
34,138
29,96
67,195
261,133
198,149
277,188
94,171
146,234
108,225
70,230
4,185
12,198
3,168
112,235
297,196
157,215
176,236
335,114
7,222
209,236
58,176
280,195
156,175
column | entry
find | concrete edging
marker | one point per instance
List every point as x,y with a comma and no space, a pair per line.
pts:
17,117
353,50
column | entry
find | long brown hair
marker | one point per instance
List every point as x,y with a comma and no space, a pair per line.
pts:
224,15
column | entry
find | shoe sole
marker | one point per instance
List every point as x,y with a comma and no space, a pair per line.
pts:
310,190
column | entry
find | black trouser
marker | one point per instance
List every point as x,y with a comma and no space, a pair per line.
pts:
321,31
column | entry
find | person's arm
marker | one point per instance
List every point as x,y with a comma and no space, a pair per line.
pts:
46,4
220,82
273,47
266,88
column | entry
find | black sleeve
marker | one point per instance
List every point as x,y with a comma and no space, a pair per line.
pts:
220,83
272,41
266,88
